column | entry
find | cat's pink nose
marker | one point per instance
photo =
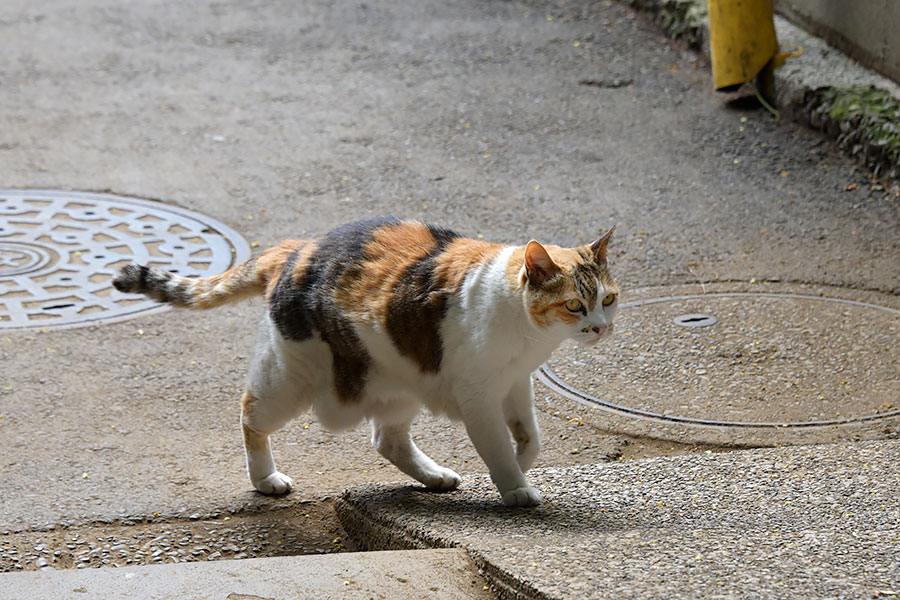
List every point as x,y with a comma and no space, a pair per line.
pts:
598,329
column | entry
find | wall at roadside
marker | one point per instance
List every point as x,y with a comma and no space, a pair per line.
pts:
867,30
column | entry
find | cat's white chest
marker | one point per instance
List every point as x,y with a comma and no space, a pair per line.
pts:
487,335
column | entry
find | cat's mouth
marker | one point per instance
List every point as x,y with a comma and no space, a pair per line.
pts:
593,336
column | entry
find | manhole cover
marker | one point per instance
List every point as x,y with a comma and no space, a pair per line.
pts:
59,251
772,360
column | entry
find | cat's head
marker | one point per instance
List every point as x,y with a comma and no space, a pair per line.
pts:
569,292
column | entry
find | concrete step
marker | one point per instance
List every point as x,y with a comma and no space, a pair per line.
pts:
444,574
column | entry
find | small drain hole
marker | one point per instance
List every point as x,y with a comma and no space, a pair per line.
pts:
57,306
695,320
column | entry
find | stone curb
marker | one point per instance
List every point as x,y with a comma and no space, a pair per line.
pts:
822,89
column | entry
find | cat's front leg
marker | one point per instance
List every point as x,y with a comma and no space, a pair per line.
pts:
486,426
518,409
395,444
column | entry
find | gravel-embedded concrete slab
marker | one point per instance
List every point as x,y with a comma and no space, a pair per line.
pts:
376,575
294,528
796,522
781,364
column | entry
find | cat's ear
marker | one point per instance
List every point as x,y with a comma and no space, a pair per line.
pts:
598,248
539,267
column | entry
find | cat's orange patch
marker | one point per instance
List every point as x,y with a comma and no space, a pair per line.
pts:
366,291
547,302
305,250
515,277
270,263
253,440
566,258
545,315
561,313
460,257
252,277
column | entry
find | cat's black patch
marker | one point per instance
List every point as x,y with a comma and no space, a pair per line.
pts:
153,282
128,279
418,306
289,306
300,309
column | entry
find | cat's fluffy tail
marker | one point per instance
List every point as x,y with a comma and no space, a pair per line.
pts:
247,279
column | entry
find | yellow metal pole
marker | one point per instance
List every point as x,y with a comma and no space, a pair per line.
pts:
741,41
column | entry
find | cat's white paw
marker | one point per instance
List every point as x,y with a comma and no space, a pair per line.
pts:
274,485
443,479
523,496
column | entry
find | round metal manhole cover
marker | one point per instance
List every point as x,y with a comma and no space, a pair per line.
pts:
60,250
771,360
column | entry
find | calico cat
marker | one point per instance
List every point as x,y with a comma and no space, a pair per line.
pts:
380,317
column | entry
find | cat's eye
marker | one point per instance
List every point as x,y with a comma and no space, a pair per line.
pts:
609,299
573,305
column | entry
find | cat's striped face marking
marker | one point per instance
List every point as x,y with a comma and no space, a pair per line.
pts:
570,291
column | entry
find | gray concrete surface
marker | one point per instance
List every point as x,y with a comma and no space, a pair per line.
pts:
820,65
366,576
506,120
864,30
814,75
799,522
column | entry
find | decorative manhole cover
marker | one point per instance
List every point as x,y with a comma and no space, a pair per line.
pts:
60,250
772,360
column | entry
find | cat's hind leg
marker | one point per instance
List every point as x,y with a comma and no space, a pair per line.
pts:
518,409
258,420
395,444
